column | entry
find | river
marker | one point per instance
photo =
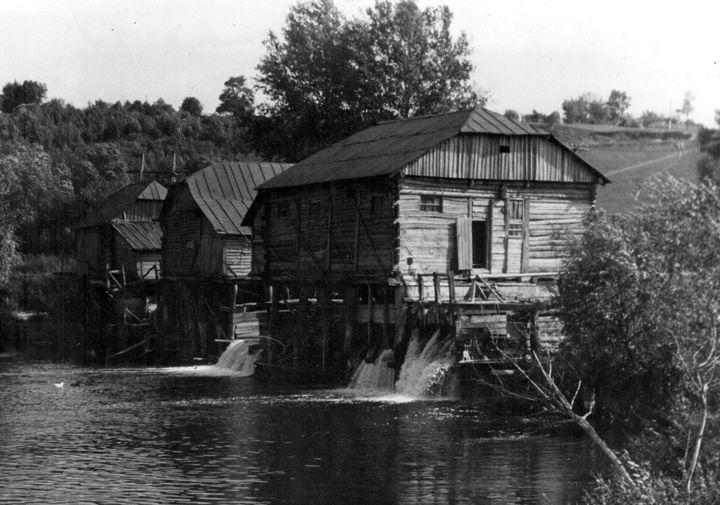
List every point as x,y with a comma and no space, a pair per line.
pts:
182,435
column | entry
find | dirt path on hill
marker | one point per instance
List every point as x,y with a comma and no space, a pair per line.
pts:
672,158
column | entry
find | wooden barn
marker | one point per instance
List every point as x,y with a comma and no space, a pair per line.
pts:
454,219
122,234
206,258
118,262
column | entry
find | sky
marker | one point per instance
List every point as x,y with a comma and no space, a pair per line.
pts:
527,54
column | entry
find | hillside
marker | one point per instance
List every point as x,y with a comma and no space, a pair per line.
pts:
630,156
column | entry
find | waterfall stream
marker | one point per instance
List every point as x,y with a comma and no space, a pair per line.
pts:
423,370
239,357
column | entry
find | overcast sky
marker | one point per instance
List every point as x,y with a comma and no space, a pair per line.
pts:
529,54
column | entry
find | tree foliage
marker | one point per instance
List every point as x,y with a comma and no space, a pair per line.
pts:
587,108
617,104
326,77
640,302
15,94
192,106
237,100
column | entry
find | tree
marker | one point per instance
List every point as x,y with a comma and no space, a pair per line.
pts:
237,99
640,301
410,60
15,94
192,106
617,105
326,77
687,106
512,114
585,109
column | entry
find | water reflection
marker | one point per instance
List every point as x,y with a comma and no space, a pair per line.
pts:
154,436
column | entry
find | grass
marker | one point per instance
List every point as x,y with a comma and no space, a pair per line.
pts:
629,160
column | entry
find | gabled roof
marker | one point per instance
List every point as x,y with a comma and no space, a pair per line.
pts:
385,148
140,235
224,191
114,205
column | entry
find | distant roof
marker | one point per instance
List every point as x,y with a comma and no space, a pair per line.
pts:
387,147
141,235
224,191
113,206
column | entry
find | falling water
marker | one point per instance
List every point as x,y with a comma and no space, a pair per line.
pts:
425,367
423,371
377,376
239,357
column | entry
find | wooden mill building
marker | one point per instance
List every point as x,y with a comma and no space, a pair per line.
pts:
206,258
453,221
122,234
118,264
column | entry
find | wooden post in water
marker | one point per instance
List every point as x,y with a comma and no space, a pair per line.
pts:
400,313
369,315
272,319
301,314
350,317
324,310
386,318
451,286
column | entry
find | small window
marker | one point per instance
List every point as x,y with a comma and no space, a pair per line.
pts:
504,149
431,203
515,229
516,214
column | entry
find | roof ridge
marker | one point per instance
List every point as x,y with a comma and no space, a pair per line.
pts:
423,116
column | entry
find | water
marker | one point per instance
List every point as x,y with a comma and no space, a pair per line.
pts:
180,436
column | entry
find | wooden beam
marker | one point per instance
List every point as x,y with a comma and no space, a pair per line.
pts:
328,262
356,245
507,235
525,255
369,324
490,223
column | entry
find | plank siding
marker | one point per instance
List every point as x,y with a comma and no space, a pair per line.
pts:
530,158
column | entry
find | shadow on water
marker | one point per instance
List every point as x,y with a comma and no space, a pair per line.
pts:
168,436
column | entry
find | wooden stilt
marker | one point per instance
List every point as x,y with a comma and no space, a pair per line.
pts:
400,314
324,309
350,318
369,321
302,333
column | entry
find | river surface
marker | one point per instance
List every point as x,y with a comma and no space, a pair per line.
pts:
178,435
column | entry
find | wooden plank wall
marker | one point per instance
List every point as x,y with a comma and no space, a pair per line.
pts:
143,210
430,237
530,158
191,247
327,231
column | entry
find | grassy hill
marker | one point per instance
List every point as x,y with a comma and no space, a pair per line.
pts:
630,156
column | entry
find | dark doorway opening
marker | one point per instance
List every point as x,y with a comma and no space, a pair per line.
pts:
479,244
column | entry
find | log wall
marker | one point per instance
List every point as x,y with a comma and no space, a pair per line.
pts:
327,232
535,244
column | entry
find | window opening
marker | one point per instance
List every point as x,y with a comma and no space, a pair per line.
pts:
431,203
